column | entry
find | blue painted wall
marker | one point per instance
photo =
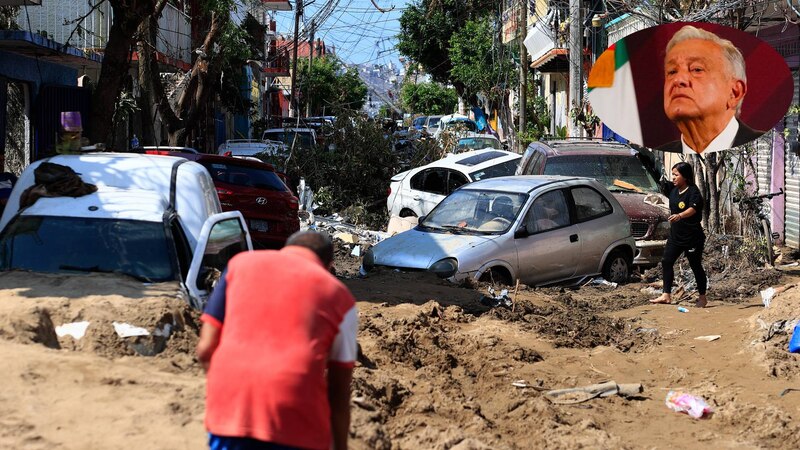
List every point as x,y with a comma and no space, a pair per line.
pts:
22,68
241,122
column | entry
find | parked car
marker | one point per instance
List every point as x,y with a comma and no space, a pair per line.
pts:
417,191
431,124
630,174
540,230
476,143
456,123
249,147
258,192
168,148
153,218
306,137
418,123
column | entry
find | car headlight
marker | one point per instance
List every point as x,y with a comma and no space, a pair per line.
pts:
662,230
368,261
444,268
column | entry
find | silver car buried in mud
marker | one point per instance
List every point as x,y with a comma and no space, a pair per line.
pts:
539,229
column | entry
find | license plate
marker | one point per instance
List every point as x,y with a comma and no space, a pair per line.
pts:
259,225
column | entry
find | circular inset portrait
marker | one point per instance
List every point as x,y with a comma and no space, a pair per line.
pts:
690,87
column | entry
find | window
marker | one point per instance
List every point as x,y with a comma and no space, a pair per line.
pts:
498,170
482,158
245,176
455,181
227,238
589,204
615,172
549,211
431,180
76,244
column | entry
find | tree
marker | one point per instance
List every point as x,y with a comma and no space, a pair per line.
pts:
428,98
427,26
478,62
330,86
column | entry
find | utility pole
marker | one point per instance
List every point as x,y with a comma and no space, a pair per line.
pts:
575,58
522,28
310,60
298,13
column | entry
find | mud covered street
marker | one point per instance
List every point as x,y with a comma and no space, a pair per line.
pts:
438,368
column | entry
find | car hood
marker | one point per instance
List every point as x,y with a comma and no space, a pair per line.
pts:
416,249
643,207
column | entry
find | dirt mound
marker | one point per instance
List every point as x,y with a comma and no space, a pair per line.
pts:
100,306
771,330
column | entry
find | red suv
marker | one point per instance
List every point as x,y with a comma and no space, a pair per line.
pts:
255,189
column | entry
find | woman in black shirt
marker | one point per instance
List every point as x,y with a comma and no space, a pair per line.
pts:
686,233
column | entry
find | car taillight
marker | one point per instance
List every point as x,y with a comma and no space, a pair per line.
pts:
389,191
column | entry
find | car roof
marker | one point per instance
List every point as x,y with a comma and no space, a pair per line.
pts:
522,184
205,157
105,203
462,161
296,130
575,147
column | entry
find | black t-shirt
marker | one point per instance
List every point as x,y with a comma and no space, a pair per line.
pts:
688,231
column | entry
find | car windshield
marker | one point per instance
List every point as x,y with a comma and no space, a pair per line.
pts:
73,244
465,144
475,212
433,122
615,172
498,170
304,139
245,176
461,124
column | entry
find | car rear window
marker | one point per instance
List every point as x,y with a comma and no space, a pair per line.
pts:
498,170
478,159
245,176
605,169
304,138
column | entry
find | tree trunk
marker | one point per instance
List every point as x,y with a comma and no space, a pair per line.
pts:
146,100
128,15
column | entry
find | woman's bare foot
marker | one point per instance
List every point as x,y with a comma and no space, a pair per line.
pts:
664,299
701,302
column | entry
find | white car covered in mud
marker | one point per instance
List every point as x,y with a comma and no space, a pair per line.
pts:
539,230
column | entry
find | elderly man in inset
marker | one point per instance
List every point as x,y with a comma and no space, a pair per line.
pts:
704,85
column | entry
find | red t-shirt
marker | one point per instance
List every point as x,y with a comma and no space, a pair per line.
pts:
286,319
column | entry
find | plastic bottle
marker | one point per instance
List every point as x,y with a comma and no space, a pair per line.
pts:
134,142
794,342
682,309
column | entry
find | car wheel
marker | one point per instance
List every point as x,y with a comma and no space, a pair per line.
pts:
407,213
617,267
496,275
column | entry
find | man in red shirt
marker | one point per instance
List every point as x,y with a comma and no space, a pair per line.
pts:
278,342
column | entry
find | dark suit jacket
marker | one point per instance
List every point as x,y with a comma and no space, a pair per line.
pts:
743,136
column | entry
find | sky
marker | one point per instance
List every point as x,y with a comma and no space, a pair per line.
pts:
360,33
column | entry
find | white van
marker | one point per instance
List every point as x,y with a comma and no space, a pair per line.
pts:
154,218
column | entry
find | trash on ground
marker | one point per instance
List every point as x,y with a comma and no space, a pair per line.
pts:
356,251
682,309
794,342
692,405
497,299
522,384
603,281
399,224
709,338
584,393
347,238
766,296
774,328
650,290
74,329
127,330
787,390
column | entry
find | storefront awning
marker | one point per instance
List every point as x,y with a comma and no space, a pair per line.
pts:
555,60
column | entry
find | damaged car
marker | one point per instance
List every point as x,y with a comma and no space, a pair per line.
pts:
540,230
631,174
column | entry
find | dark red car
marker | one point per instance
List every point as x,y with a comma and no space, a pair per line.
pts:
255,189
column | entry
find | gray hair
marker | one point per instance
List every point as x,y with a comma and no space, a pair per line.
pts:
732,55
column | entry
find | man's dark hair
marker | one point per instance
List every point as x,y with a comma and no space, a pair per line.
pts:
686,171
319,243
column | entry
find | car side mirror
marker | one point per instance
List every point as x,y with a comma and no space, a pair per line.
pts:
421,218
522,232
666,186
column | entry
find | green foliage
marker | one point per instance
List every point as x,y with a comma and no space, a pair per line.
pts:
355,174
476,60
328,85
235,49
427,26
428,98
